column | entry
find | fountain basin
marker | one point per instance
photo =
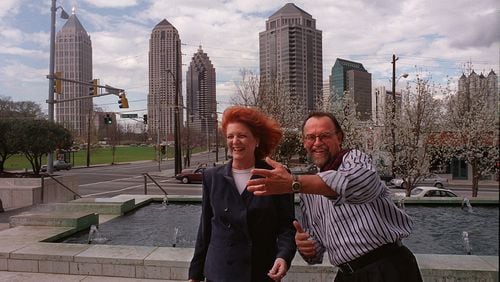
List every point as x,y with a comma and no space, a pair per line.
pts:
30,255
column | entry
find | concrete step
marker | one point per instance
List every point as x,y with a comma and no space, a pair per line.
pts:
76,220
96,205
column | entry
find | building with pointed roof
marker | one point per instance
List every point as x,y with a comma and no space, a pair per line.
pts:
291,57
165,79
480,85
201,95
73,58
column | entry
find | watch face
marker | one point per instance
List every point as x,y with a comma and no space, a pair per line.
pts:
296,186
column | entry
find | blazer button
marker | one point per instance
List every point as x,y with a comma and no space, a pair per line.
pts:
226,209
229,225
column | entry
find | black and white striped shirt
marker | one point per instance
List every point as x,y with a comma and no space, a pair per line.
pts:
362,218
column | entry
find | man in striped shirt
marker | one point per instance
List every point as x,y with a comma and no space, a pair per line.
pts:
347,210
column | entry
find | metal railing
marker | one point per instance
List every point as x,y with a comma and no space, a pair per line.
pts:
146,176
60,183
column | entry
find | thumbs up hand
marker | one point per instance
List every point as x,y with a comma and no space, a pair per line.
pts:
303,240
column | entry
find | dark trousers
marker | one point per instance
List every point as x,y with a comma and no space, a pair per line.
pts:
396,266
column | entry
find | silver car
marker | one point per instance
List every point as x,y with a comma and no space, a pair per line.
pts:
431,179
421,191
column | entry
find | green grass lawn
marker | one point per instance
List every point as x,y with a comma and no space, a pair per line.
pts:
97,156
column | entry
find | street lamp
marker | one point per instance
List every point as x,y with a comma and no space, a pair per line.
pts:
393,125
50,101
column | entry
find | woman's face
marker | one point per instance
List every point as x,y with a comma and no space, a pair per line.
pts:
241,143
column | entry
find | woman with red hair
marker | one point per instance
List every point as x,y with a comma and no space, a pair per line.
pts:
243,237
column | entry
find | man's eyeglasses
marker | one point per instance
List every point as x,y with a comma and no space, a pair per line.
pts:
323,136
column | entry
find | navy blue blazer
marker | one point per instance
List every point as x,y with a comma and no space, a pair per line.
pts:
240,236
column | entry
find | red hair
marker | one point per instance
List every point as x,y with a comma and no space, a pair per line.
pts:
264,128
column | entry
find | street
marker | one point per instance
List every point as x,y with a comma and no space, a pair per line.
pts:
111,180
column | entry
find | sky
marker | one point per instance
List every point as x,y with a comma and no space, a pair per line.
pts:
433,38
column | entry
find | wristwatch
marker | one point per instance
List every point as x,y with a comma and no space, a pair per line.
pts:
296,187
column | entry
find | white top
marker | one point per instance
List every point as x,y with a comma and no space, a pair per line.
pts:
241,177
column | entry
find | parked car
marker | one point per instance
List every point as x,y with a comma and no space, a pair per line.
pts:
190,175
430,179
58,165
423,191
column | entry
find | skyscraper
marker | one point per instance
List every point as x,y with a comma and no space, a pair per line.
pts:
353,77
73,58
200,94
291,57
165,80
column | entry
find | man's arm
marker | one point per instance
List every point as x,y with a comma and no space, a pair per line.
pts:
279,181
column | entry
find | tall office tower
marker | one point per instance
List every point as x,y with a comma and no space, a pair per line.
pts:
200,94
353,77
291,57
73,59
165,80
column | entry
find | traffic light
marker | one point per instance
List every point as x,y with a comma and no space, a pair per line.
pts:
123,102
145,119
93,90
58,82
108,119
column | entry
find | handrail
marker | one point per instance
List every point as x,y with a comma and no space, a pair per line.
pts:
154,181
60,183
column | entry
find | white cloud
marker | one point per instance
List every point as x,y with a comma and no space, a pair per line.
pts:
111,3
9,7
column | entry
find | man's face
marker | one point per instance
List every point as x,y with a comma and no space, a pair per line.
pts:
321,140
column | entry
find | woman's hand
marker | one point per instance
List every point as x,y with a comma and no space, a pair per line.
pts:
279,269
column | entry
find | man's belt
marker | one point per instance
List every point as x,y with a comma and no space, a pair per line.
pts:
369,258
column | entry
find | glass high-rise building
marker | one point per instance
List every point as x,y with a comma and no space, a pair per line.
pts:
291,57
200,94
73,59
165,79
354,78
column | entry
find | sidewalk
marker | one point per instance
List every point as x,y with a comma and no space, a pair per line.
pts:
10,276
488,183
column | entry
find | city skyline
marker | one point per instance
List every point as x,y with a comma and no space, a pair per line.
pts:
365,32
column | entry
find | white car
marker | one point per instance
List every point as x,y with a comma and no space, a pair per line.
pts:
430,179
423,191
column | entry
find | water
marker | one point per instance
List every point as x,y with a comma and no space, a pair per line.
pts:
437,230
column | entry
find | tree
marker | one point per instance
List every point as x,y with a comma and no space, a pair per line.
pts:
414,126
472,118
247,90
39,137
344,109
274,100
8,143
22,109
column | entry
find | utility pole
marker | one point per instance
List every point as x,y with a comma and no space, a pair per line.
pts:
88,136
393,117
